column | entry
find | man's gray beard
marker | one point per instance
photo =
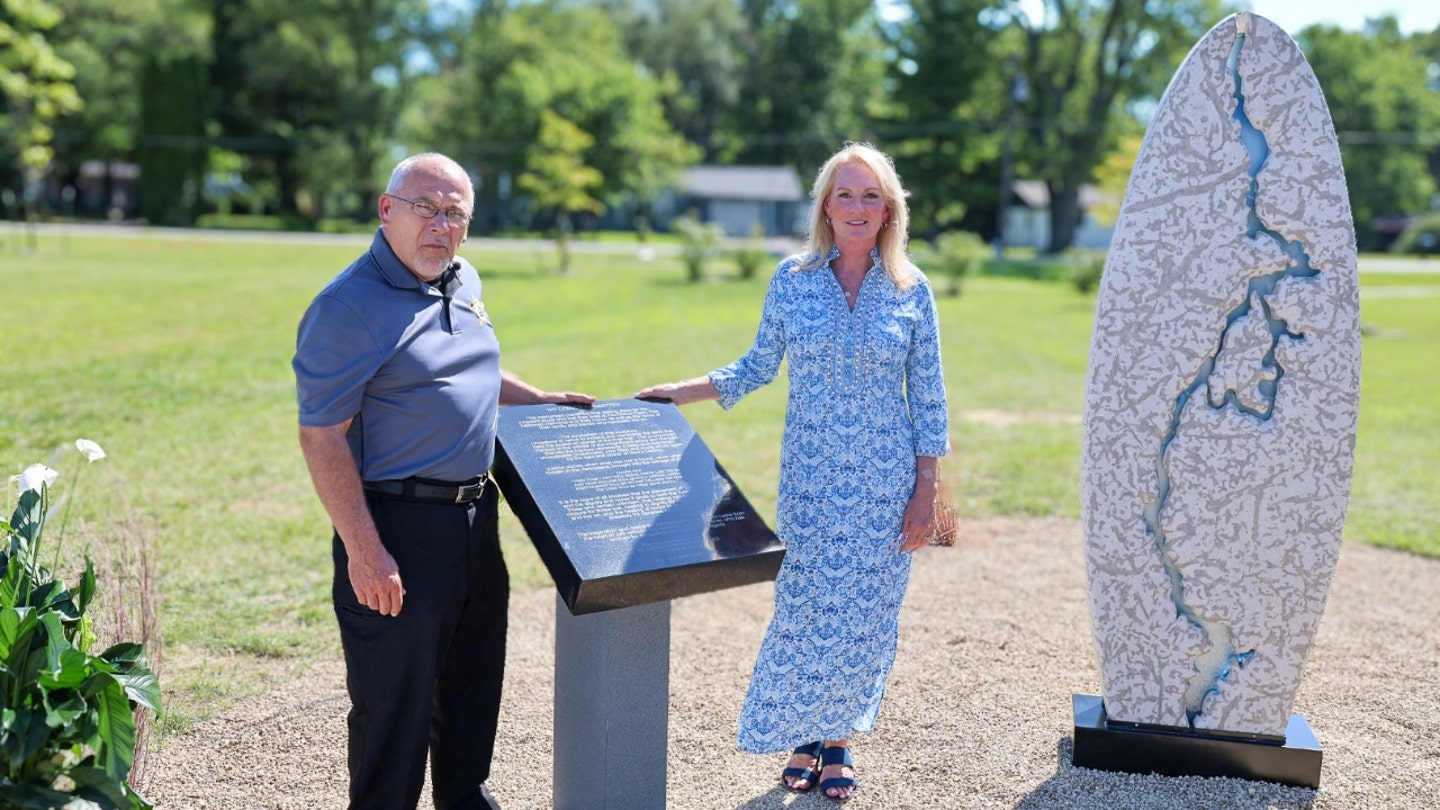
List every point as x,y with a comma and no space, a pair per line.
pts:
431,269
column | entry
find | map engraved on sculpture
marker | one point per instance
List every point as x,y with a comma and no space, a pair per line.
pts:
1222,394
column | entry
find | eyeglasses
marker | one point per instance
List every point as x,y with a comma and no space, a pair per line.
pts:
428,210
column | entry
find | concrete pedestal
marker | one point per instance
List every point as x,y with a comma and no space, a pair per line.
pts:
612,707
1102,745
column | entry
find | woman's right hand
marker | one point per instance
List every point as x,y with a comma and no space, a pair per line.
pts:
681,393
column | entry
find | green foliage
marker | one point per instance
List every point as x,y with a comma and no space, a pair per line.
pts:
173,116
1421,237
1083,63
557,177
697,47
1084,269
946,77
36,84
67,728
316,92
109,43
960,254
811,81
519,64
699,242
1375,82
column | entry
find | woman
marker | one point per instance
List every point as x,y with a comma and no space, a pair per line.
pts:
865,426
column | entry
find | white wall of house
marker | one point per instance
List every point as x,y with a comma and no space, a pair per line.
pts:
1030,227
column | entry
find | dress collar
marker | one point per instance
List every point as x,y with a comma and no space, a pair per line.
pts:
835,254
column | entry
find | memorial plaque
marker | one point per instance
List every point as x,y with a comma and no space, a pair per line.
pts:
626,505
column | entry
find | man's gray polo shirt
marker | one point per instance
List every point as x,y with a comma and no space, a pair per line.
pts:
422,383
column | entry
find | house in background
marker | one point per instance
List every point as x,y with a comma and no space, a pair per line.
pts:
1027,219
737,198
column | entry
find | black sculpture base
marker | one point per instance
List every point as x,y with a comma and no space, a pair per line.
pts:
1109,746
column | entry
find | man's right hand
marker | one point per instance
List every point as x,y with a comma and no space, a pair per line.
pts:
375,578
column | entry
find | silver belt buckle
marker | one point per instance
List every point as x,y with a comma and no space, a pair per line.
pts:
473,490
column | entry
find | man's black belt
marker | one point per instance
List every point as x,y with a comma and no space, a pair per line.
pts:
426,489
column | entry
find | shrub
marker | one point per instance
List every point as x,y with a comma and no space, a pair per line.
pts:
698,242
68,732
960,254
1084,268
751,253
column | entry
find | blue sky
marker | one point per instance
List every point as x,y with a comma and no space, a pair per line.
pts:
1293,15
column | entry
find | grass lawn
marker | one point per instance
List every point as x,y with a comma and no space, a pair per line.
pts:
174,355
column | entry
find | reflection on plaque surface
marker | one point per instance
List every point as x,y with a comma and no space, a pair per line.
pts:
626,505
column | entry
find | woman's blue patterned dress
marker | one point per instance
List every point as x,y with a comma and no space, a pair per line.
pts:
867,395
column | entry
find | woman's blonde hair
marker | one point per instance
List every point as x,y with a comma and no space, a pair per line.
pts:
892,239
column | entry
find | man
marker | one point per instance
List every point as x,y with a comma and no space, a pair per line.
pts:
398,378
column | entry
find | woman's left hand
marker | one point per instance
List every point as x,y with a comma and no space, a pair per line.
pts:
919,521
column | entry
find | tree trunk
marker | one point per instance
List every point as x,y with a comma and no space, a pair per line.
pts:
1064,216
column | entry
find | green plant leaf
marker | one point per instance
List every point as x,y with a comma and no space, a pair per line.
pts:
74,669
134,674
8,718
21,634
7,537
15,623
51,594
61,713
115,746
56,642
12,584
26,733
26,795
86,591
96,785
28,520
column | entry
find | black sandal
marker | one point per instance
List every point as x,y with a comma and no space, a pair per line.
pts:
810,775
838,755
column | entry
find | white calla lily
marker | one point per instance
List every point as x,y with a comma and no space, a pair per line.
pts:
35,477
90,449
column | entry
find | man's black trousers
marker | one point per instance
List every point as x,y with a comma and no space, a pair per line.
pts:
428,679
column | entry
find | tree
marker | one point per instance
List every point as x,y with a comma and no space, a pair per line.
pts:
1375,86
558,178
946,111
1428,46
694,48
312,94
1084,61
814,78
173,116
110,44
1112,176
486,105
36,86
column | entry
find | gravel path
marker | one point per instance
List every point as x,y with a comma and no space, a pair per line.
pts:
995,638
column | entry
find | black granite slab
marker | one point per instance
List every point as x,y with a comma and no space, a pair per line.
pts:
1107,746
626,505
